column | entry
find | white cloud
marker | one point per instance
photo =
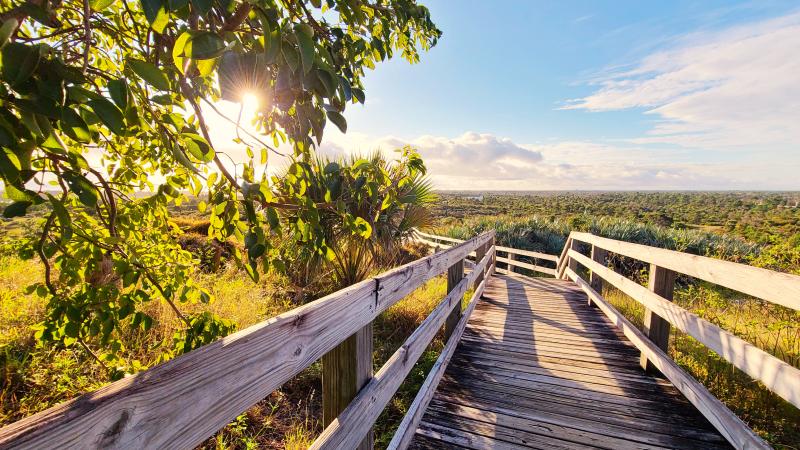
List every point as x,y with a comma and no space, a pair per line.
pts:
737,88
480,161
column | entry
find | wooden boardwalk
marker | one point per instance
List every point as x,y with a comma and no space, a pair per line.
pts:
537,367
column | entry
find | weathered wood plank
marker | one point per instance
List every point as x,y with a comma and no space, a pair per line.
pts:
731,427
524,265
778,376
595,421
528,253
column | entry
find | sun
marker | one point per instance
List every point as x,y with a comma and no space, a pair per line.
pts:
250,101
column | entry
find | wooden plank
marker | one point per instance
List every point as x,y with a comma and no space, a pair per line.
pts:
662,411
726,422
778,376
357,419
628,387
597,421
528,253
443,238
662,283
345,370
586,393
525,265
565,428
200,392
405,431
482,435
776,287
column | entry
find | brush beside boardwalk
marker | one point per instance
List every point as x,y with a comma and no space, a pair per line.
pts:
541,362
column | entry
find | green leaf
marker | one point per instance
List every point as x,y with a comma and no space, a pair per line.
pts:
177,50
338,120
203,45
82,187
363,228
272,43
118,89
150,73
63,218
19,61
109,114
72,329
99,5
198,147
6,29
44,16
74,126
358,94
16,209
156,13
202,6
304,34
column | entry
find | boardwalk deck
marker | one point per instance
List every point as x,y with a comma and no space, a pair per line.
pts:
537,367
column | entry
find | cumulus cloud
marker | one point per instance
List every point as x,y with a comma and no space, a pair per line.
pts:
481,161
730,89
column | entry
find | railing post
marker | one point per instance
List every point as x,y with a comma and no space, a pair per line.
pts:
571,263
345,370
661,282
598,256
493,263
480,252
509,266
454,275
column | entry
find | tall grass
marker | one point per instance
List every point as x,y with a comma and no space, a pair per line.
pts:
549,235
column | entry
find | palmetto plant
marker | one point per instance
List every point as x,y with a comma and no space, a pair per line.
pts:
385,217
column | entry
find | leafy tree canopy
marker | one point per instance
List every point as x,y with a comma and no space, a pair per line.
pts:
123,82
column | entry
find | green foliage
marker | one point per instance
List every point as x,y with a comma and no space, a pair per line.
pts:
382,202
125,81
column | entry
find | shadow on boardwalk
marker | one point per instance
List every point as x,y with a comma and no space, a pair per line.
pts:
538,367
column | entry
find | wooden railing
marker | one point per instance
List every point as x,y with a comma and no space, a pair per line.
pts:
182,402
511,260
783,289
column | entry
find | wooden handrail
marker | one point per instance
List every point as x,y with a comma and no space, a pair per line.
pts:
182,402
777,375
723,419
783,289
524,265
776,287
528,253
431,239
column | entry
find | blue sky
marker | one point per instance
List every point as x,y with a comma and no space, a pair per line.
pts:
503,73
594,95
